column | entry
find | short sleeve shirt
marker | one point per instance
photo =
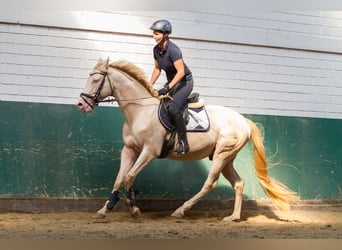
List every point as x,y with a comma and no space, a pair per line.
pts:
166,59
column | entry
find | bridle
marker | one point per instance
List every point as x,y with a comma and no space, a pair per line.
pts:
95,98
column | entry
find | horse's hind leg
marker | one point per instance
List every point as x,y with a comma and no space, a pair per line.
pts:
209,185
232,176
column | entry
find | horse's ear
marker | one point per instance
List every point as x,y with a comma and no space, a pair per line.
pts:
99,62
106,62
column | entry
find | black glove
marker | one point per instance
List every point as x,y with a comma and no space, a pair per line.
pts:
164,90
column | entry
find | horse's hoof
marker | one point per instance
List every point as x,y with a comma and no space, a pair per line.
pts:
231,218
135,212
177,214
99,216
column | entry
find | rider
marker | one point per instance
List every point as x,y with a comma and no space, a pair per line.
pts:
168,57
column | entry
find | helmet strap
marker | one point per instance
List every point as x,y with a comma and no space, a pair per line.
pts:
166,35
165,38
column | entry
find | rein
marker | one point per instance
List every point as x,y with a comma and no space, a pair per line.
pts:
95,97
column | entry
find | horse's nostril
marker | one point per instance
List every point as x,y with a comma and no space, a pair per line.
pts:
79,106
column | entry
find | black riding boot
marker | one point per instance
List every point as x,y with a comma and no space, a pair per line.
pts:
183,146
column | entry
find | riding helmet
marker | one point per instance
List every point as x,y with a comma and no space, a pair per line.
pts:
162,25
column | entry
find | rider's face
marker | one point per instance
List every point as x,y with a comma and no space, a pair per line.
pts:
158,36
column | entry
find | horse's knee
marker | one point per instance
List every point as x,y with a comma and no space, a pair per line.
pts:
129,178
238,187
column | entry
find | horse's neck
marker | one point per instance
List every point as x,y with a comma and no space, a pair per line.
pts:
133,98
126,88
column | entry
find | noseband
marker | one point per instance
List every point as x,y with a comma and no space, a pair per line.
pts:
96,97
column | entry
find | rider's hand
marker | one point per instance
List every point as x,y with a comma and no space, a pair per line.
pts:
164,90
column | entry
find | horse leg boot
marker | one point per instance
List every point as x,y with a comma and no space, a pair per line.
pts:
182,146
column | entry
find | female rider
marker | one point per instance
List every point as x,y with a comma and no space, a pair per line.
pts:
168,57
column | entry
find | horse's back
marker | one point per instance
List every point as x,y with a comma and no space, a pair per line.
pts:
226,118
224,114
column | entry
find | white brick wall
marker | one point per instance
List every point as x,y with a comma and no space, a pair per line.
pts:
275,63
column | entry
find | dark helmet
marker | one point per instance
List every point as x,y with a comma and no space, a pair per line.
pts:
162,25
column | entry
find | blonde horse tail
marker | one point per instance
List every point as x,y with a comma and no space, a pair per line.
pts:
279,193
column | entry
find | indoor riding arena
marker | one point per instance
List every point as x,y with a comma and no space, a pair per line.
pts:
280,69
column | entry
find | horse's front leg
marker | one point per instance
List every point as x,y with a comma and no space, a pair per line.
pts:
130,201
144,158
128,157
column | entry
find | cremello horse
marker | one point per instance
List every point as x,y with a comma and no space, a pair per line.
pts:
143,137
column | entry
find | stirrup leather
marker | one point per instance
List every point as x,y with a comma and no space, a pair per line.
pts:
182,148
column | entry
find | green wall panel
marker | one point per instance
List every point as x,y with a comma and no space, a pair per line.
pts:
50,150
308,151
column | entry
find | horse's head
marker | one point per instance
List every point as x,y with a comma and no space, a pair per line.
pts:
96,88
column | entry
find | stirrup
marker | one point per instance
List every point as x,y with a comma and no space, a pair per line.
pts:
181,148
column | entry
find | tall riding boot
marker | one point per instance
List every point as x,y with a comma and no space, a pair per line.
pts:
183,146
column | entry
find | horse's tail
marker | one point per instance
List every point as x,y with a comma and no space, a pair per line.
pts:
279,193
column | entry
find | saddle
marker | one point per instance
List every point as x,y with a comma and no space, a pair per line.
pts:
194,115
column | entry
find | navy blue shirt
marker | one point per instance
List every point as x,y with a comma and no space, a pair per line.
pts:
167,57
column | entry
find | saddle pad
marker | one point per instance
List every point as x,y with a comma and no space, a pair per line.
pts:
198,119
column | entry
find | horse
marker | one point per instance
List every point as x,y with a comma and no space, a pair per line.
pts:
143,139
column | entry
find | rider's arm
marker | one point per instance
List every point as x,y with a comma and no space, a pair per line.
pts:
155,73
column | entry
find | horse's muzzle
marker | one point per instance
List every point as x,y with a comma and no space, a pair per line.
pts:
83,106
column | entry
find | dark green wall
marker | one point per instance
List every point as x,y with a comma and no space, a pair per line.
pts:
49,150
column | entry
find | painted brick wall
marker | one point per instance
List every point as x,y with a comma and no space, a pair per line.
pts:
273,63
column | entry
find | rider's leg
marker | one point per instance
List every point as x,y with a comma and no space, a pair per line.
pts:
177,116
176,108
